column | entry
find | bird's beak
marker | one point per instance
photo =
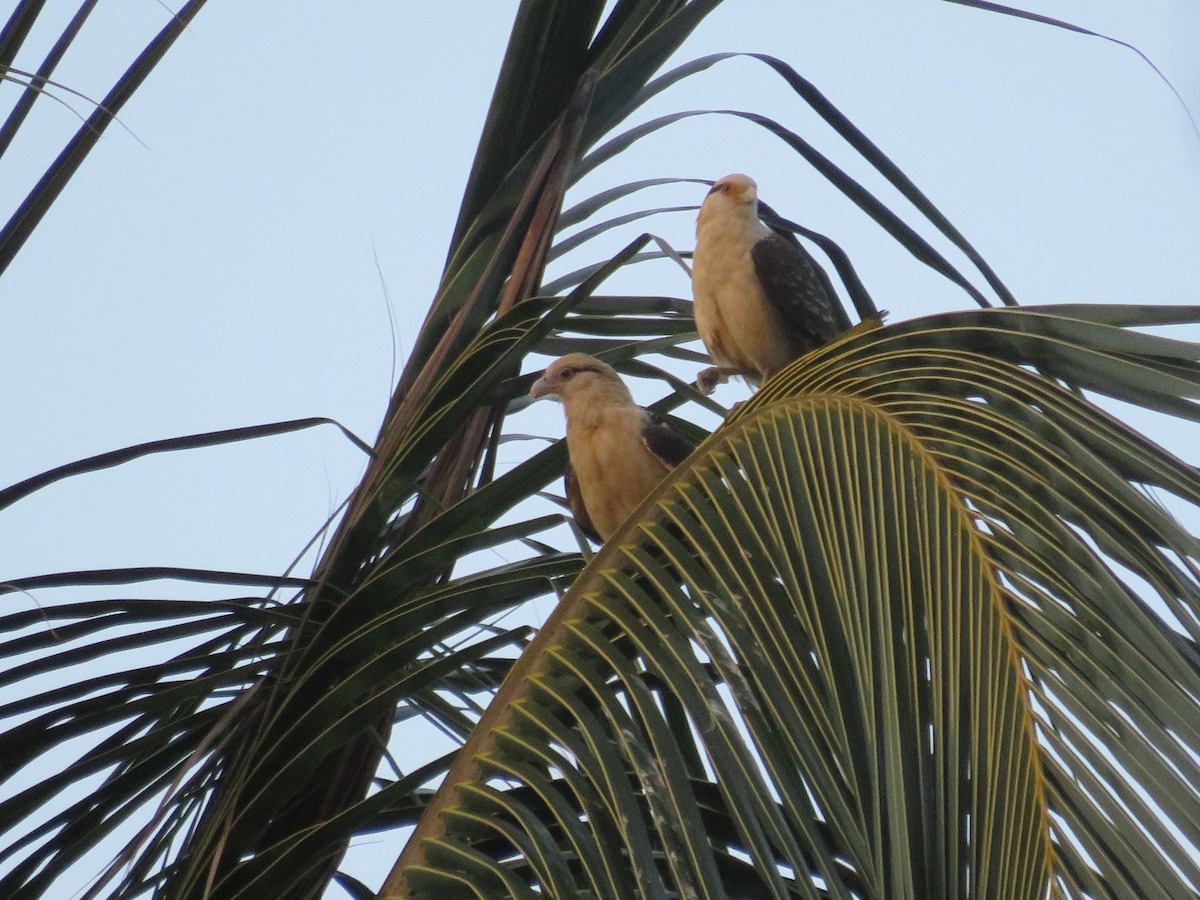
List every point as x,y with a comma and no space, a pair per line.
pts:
540,388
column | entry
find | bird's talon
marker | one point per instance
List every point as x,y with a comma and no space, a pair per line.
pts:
708,379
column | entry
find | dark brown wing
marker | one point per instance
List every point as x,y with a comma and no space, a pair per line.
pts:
575,504
798,287
664,442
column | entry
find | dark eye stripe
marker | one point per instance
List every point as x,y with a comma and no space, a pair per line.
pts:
575,370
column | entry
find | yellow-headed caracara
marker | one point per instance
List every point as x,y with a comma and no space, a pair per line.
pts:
761,300
618,451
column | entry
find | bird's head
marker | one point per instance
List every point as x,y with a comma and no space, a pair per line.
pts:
579,375
732,199
734,190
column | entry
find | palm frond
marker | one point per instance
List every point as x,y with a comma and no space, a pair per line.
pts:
39,199
241,753
911,624
1041,19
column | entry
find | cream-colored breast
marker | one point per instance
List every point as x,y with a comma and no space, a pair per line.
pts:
614,469
736,321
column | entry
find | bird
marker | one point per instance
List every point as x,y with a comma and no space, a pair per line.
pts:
761,300
618,452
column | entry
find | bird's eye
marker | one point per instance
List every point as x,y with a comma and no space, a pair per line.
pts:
566,374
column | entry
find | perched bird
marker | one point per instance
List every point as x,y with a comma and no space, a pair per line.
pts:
618,451
761,300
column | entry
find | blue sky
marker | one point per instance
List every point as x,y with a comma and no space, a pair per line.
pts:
295,171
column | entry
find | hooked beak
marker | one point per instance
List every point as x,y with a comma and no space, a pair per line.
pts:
541,388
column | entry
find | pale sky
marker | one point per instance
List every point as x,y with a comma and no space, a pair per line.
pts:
219,269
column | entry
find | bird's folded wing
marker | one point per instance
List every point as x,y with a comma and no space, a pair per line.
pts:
663,442
575,504
797,286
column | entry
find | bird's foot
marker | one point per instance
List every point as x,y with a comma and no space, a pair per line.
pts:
708,379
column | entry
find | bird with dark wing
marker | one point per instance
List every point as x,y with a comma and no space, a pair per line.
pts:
761,300
618,451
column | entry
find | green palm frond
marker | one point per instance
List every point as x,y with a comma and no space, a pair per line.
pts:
15,32
898,629
685,721
235,774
